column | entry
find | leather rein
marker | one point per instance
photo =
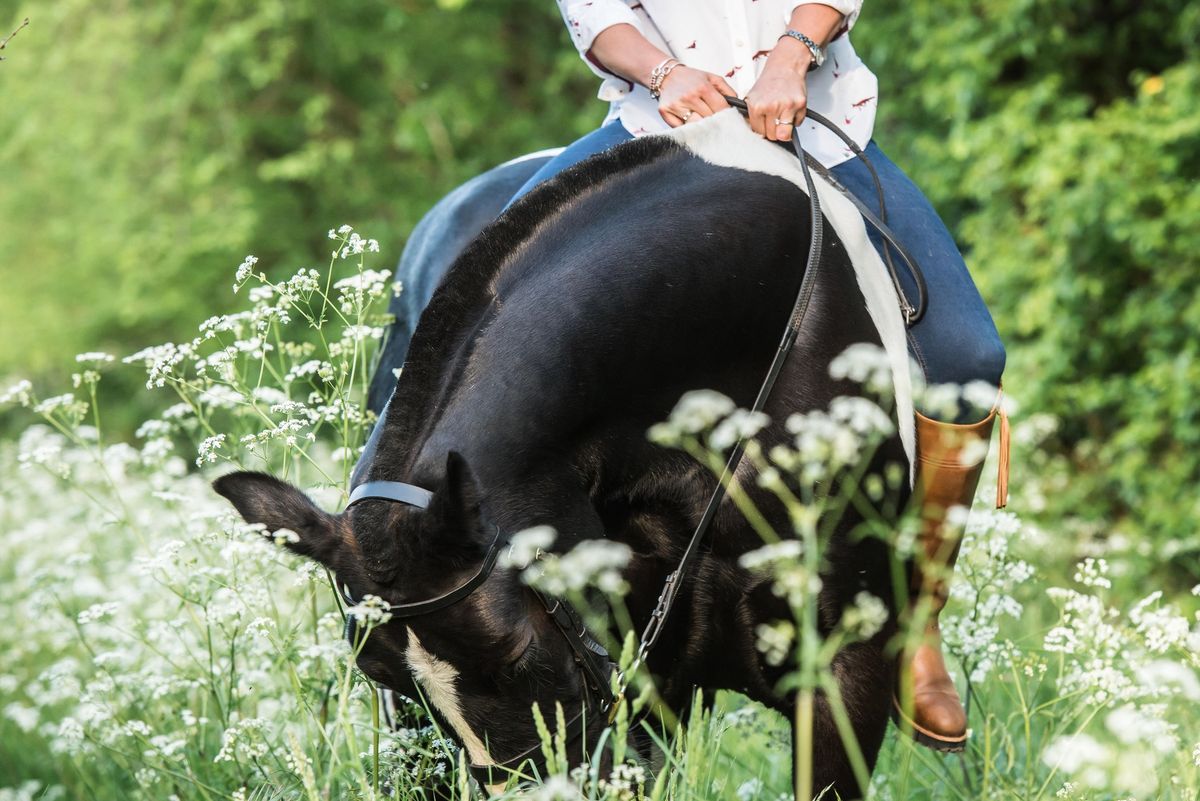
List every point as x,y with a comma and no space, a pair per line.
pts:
593,660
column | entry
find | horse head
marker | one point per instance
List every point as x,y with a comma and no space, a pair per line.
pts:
467,635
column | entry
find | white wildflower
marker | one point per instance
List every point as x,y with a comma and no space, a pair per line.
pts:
361,333
983,396
371,611
1164,677
24,717
696,412
53,404
1132,725
1092,572
209,450
1076,753
866,364
285,536
136,728
21,393
940,401
243,740
94,357
302,284
178,411
774,641
740,424
787,551
96,612
862,416
161,361
244,271
866,617
557,788
70,734
750,789
823,443
590,563
260,628
261,294
368,282
792,579
526,546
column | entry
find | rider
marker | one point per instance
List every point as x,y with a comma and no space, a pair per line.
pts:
666,63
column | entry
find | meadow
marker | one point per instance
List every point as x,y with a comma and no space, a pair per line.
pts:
157,647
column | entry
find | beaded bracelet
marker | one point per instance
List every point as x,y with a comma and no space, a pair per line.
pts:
659,74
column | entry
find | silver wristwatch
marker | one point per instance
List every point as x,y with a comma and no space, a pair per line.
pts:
817,53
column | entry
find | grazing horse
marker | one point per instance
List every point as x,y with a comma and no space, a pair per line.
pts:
573,323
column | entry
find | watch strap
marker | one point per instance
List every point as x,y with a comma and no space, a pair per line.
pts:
818,54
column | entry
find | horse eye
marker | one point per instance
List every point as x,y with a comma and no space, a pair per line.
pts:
526,661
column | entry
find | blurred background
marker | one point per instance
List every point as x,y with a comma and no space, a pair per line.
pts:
147,147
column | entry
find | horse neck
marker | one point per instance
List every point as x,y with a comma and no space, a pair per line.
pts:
581,312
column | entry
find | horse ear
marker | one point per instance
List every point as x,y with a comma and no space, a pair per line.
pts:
261,498
457,502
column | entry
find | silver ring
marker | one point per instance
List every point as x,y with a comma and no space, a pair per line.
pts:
687,116
782,122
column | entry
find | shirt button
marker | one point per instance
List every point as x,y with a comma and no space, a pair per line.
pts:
740,43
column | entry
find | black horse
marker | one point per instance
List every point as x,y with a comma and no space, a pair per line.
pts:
573,323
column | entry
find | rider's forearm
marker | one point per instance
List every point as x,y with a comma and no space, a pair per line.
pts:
818,22
622,50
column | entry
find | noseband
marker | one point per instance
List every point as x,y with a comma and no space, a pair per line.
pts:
590,656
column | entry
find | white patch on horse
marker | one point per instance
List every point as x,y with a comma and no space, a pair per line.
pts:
725,139
437,678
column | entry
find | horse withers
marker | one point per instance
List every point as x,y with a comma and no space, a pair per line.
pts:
561,333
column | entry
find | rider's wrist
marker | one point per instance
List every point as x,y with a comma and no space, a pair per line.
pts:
806,52
793,55
659,74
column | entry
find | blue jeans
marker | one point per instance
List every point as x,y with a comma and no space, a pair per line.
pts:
956,341
597,141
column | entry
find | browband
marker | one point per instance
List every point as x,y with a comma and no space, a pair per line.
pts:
391,491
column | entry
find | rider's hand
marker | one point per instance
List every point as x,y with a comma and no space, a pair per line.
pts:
781,92
688,94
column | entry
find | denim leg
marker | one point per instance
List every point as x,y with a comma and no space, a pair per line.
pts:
597,141
956,341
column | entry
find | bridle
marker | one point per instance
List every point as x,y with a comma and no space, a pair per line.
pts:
595,665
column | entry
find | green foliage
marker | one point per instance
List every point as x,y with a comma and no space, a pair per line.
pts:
147,147
1062,143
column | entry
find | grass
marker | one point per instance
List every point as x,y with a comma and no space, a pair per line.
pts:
157,647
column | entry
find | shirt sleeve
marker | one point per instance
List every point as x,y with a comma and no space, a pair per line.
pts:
585,20
850,10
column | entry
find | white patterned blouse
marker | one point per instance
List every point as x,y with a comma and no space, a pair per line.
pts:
731,38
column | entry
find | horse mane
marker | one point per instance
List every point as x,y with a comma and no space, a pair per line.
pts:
461,302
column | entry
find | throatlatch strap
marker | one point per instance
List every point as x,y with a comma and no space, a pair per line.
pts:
1005,455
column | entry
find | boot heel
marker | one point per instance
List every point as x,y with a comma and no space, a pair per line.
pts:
934,742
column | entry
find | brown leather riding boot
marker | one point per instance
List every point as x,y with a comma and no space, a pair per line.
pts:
950,459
